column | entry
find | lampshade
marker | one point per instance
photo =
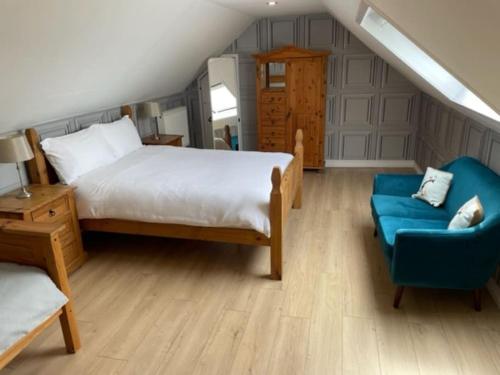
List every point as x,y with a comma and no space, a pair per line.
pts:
152,109
15,148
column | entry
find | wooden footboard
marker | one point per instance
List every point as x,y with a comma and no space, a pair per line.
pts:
286,193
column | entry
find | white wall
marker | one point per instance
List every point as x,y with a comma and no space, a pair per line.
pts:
65,57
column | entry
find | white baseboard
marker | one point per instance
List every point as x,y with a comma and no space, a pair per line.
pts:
371,164
494,290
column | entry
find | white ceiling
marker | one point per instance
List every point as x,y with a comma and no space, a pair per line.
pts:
61,58
462,40
259,8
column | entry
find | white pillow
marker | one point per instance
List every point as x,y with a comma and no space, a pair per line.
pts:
470,214
75,154
121,135
434,187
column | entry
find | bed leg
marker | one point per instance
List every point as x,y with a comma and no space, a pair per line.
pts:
299,172
276,218
297,202
276,261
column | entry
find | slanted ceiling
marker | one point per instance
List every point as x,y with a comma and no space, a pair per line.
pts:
64,57
460,34
60,58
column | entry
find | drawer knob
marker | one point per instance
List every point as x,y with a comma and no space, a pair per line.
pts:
52,213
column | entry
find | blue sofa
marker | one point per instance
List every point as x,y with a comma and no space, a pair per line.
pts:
419,249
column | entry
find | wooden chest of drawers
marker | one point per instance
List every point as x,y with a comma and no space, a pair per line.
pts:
291,90
50,204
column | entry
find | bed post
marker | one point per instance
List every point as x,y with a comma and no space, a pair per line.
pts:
276,216
37,167
126,110
299,156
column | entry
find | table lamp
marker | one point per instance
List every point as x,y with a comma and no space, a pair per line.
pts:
15,149
152,109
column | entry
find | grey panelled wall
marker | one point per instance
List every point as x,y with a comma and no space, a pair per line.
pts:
371,110
8,175
443,134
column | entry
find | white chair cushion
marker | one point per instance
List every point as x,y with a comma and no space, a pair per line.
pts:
28,297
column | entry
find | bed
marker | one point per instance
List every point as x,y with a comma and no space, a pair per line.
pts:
251,194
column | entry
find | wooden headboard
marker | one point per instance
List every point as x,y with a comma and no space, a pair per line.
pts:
39,169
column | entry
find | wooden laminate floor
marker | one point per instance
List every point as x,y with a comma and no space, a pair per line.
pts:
161,306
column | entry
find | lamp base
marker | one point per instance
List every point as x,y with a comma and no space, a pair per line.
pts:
23,194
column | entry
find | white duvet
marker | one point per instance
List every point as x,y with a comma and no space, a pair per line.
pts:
164,184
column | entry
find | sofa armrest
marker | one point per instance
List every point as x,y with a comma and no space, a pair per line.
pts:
462,259
403,185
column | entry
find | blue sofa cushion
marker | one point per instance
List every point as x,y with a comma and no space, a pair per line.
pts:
386,205
389,225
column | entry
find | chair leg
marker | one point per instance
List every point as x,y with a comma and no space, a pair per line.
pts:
477,299
69,328
398,296
375,232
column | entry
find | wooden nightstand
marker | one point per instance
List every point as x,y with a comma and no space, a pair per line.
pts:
50,204
165,140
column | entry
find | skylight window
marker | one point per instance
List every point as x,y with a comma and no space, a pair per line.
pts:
223,102
423,64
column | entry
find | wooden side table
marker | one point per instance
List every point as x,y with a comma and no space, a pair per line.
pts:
165,140
50,204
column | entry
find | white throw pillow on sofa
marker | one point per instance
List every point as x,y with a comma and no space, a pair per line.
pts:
121,135
75,154
470,214
434,187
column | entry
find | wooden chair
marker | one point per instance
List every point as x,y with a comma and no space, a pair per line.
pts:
36,244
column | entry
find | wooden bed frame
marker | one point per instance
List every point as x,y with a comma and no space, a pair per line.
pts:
286,193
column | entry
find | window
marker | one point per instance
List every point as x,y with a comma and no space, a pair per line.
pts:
223,102
424,65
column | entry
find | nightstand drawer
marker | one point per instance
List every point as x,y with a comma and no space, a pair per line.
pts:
51,212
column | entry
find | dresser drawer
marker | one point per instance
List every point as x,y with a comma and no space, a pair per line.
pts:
272,147
52,212
272,144
273,132
274,121
274,97
273,108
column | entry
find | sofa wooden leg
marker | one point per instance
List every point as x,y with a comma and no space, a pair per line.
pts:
477,299
375,232
398,296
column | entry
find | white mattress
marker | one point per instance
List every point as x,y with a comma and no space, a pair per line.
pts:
175,185
28,297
